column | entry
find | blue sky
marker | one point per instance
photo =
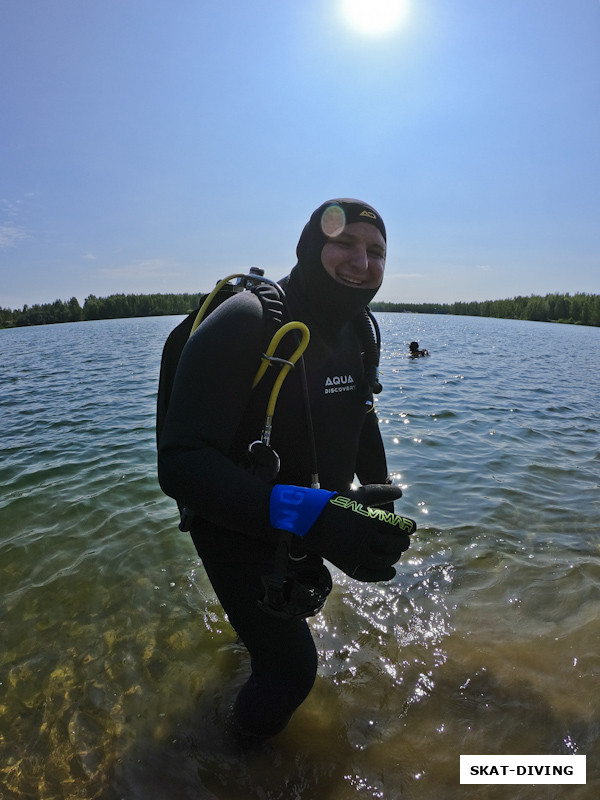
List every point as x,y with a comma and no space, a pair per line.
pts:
158,145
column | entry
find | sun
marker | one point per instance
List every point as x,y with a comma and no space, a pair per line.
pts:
375,16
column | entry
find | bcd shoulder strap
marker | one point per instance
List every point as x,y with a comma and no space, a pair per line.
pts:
178,337
370,344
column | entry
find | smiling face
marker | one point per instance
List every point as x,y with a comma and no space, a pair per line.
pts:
356,257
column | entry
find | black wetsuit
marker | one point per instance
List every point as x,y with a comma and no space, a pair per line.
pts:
214,415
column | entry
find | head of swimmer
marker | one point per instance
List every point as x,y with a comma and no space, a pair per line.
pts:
355,247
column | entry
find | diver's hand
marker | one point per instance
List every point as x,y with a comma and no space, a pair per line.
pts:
381,495
347,530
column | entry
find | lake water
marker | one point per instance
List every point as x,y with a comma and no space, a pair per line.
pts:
117,665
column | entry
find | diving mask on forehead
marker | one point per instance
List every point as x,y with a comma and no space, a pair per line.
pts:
339,213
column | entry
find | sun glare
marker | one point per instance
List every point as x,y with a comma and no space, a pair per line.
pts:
375,16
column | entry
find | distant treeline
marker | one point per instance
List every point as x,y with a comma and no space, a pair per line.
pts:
579,309
116,306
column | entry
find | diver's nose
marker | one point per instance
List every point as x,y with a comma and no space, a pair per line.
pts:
359,260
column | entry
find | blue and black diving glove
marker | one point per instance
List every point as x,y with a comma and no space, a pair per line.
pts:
348,530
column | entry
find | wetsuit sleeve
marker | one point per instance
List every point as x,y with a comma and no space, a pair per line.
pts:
210,393
371,464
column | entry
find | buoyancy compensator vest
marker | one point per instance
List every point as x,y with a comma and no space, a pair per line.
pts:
295,589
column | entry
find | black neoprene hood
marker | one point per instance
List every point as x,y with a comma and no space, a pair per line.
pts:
338,303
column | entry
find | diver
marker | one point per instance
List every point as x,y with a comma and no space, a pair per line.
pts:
414,352
245,520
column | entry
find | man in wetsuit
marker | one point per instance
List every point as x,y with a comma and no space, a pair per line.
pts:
414,352
214,415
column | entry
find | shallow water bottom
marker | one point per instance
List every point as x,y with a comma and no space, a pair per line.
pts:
140,710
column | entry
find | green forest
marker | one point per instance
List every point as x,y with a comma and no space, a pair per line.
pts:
577,309
115,306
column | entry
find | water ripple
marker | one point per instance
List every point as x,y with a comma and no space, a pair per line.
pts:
118,665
